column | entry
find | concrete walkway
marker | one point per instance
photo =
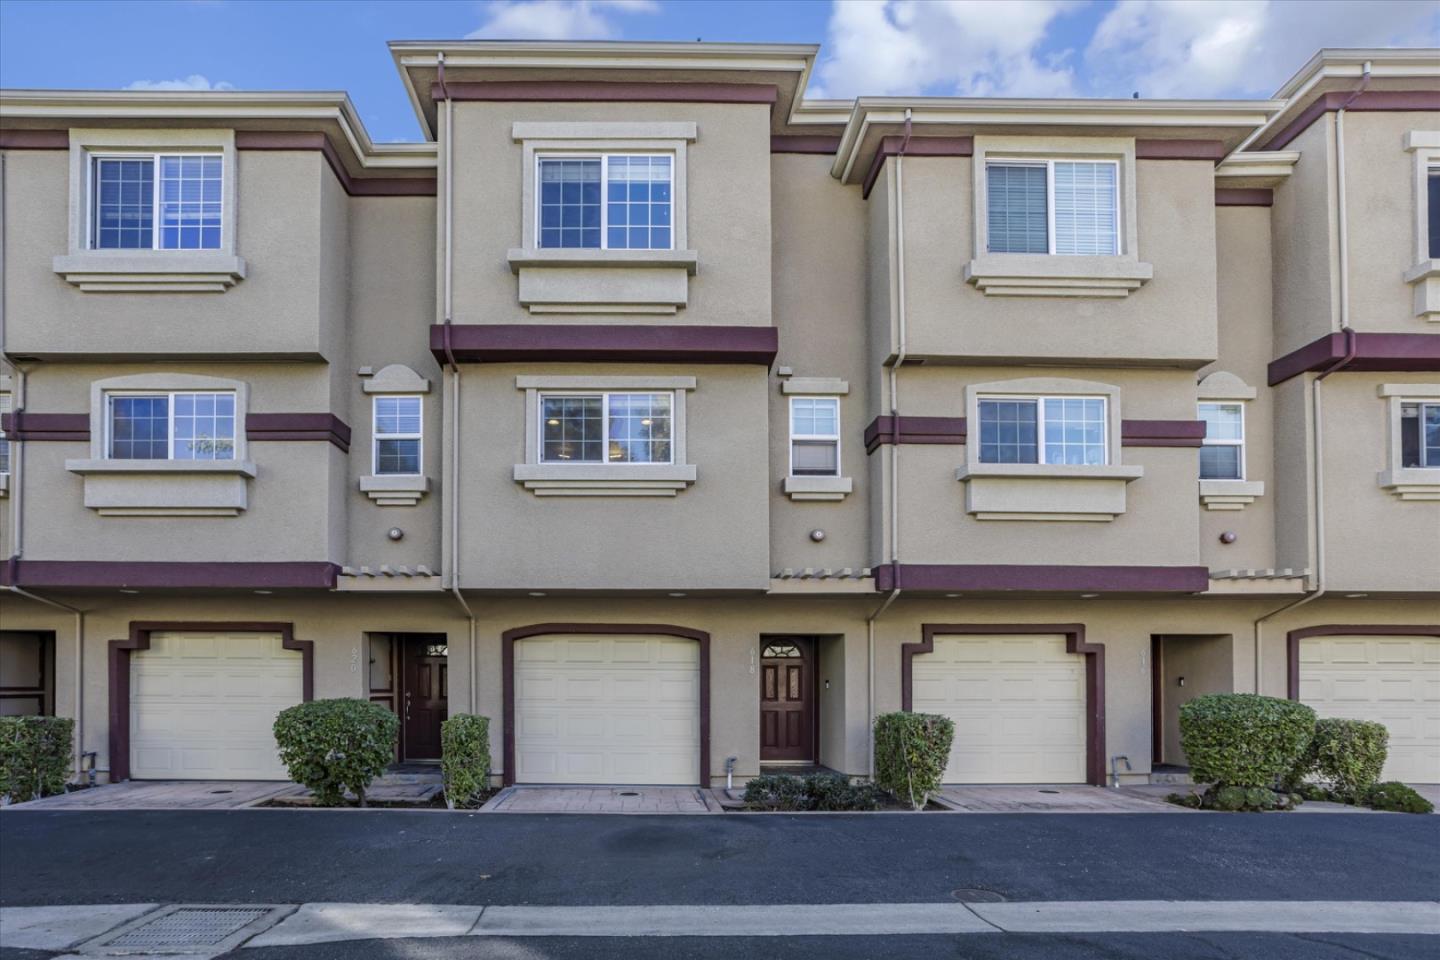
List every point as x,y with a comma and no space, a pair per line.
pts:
1053,798
165,795
523,799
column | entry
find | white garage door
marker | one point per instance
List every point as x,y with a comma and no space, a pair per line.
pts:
607,709
202,705
1395,680
1018,703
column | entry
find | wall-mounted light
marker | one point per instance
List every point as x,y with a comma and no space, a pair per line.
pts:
1229,536
817,535
395,533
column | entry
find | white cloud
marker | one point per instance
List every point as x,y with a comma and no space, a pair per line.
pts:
195,81
556,19
958,47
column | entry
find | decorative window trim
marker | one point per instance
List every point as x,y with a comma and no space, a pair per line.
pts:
802,487
827,386
1056,275
395,489
1223,385
604,479
1406,483
1424,276
5,465
138,271
1236,494
395,378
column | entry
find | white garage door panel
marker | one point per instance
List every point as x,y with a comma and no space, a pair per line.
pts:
1392,680
1018,703
202,706
606,709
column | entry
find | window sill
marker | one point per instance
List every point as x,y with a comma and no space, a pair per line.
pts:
818,488
1425,278
604,281
158,271
165,488
1230,494
1412,483
1026,491
1045,275
392,490
604,480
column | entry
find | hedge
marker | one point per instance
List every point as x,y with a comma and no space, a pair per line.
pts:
34,756
1396,796
911,753
818,791
332,746
465,760
1244,739
1347,754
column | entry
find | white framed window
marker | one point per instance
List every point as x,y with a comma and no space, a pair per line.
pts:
605,201
1420,434
814,436
1070,430
1432,206
606,427
398,436
1222,453
1068,207
4,440
156,201
174,425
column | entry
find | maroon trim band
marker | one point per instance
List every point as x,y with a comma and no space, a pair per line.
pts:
801,143
298,426
1244,197
1162,433
1418,101
34,139
355,187
1374,353
1293,638
887,429
507,653
106,574
512,342
1180,150
139,639
587,91
24,425
1047,577
919,147
1074,633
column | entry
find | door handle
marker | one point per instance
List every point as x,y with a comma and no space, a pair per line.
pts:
407,704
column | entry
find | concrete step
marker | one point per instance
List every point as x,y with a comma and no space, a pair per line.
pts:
1179,779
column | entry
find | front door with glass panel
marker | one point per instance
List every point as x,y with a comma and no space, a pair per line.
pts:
424,703
787,701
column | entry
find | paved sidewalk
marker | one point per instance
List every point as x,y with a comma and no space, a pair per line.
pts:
1054,798
165,795
688,800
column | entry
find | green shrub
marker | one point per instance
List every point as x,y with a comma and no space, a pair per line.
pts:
818,791
1348,754
34,756
1244,739
911,753
1394,795
332,746
778,792
465,760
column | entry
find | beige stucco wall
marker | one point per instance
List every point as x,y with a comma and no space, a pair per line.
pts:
1304,242
1204,662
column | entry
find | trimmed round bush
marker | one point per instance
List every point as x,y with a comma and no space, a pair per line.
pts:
1348,754
911,753
34,756
465,760
1396,796
332,746
1244,739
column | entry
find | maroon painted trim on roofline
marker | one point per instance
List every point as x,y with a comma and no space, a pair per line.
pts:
803,143
1053,578
24,425
1162,433
1180,150
1369,100
1293,638
591,91
1074,633
512,342
34,139
884,430
354,186
1374,353
918,147
1244,197
139,639
298,426
507,656
219,575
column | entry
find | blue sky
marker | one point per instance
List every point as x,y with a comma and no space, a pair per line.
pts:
1219,48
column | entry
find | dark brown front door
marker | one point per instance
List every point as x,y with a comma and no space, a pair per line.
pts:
423,706
787,701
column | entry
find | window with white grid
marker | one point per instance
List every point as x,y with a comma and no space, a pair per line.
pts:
1222,456
156,202
4,441
171,426
1068,207
606,428
1420,434
610,201
1051,430
398,435
814,436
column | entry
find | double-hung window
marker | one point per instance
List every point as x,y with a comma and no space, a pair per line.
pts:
1432,187
606,202
1049,430
1053,206
4,441
156,201
170,426
606,428
1222,455
1420,434
814,436
398,434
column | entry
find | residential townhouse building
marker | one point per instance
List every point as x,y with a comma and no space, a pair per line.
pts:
681,424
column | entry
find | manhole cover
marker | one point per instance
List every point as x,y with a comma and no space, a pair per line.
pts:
977,895
189,927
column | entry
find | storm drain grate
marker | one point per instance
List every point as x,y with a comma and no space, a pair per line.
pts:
189,927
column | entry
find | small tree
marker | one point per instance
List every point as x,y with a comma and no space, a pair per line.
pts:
911,753
465,760
34,756
334,745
